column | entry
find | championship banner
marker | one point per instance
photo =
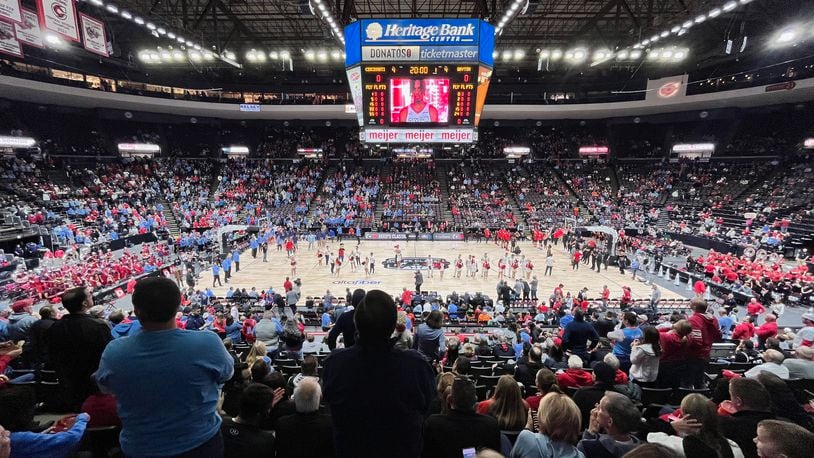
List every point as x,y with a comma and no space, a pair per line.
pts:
93,35
29,31
8,41
59,16
11,10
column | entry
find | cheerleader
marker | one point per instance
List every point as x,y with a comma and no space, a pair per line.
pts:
521,264
529,268
352,262
338,266
501,269
514,265
293,266
319,256
486,266
459,264
365,263
429,266
440,268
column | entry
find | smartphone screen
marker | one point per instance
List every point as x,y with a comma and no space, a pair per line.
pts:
469,452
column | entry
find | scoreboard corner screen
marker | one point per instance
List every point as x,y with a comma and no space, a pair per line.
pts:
419,76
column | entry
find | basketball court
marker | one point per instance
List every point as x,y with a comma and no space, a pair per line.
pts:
316,278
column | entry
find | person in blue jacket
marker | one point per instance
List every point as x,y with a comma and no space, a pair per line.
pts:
25,443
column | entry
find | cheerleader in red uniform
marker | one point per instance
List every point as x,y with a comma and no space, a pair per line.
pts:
529,268
501,268
459,265
486,266
515,265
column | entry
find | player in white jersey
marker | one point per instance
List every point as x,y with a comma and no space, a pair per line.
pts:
419,110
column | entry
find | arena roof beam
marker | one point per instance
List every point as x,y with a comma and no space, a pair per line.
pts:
203,14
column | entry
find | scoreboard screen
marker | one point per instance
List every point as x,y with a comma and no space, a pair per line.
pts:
419,80
419,95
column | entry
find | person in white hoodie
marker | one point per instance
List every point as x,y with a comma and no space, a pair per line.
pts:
644,357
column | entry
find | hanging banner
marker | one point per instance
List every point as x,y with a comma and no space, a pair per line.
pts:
59,16
8,41
93,35
11,10
29,31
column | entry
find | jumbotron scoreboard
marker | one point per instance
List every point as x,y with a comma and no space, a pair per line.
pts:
419,80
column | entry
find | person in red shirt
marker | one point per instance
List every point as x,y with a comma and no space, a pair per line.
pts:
700,288
605,296
575,260
546,383
755,309
247,331
744,330
705,331
406,298
575,376
766,330
674,347
287,285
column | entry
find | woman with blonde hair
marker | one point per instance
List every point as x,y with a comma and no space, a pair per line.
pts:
506,405
698,432
257,351
444,387
560,425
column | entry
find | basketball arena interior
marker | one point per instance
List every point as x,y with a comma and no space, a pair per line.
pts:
448,228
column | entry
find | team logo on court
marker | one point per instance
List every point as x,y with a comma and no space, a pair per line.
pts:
415,263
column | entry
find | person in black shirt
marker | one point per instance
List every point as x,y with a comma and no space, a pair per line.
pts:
448,434
378,395
242,435
75,346
345,324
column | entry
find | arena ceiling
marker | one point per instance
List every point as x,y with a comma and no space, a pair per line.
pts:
272,24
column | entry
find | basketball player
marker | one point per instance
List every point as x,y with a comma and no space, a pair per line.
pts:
419,110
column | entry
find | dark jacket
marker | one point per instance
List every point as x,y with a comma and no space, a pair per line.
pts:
36,350
446,435
75,346
305,435
378,397
741,427
526,372
242,440
576,337
345,326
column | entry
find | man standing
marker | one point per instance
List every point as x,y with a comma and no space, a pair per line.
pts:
226,265
75,344
236,259
419,280
161,418
655,297
216,275
533,286
705,332
401,382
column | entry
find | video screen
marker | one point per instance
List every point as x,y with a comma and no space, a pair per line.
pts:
419,100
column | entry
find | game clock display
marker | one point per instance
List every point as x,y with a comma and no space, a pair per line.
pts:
420,95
